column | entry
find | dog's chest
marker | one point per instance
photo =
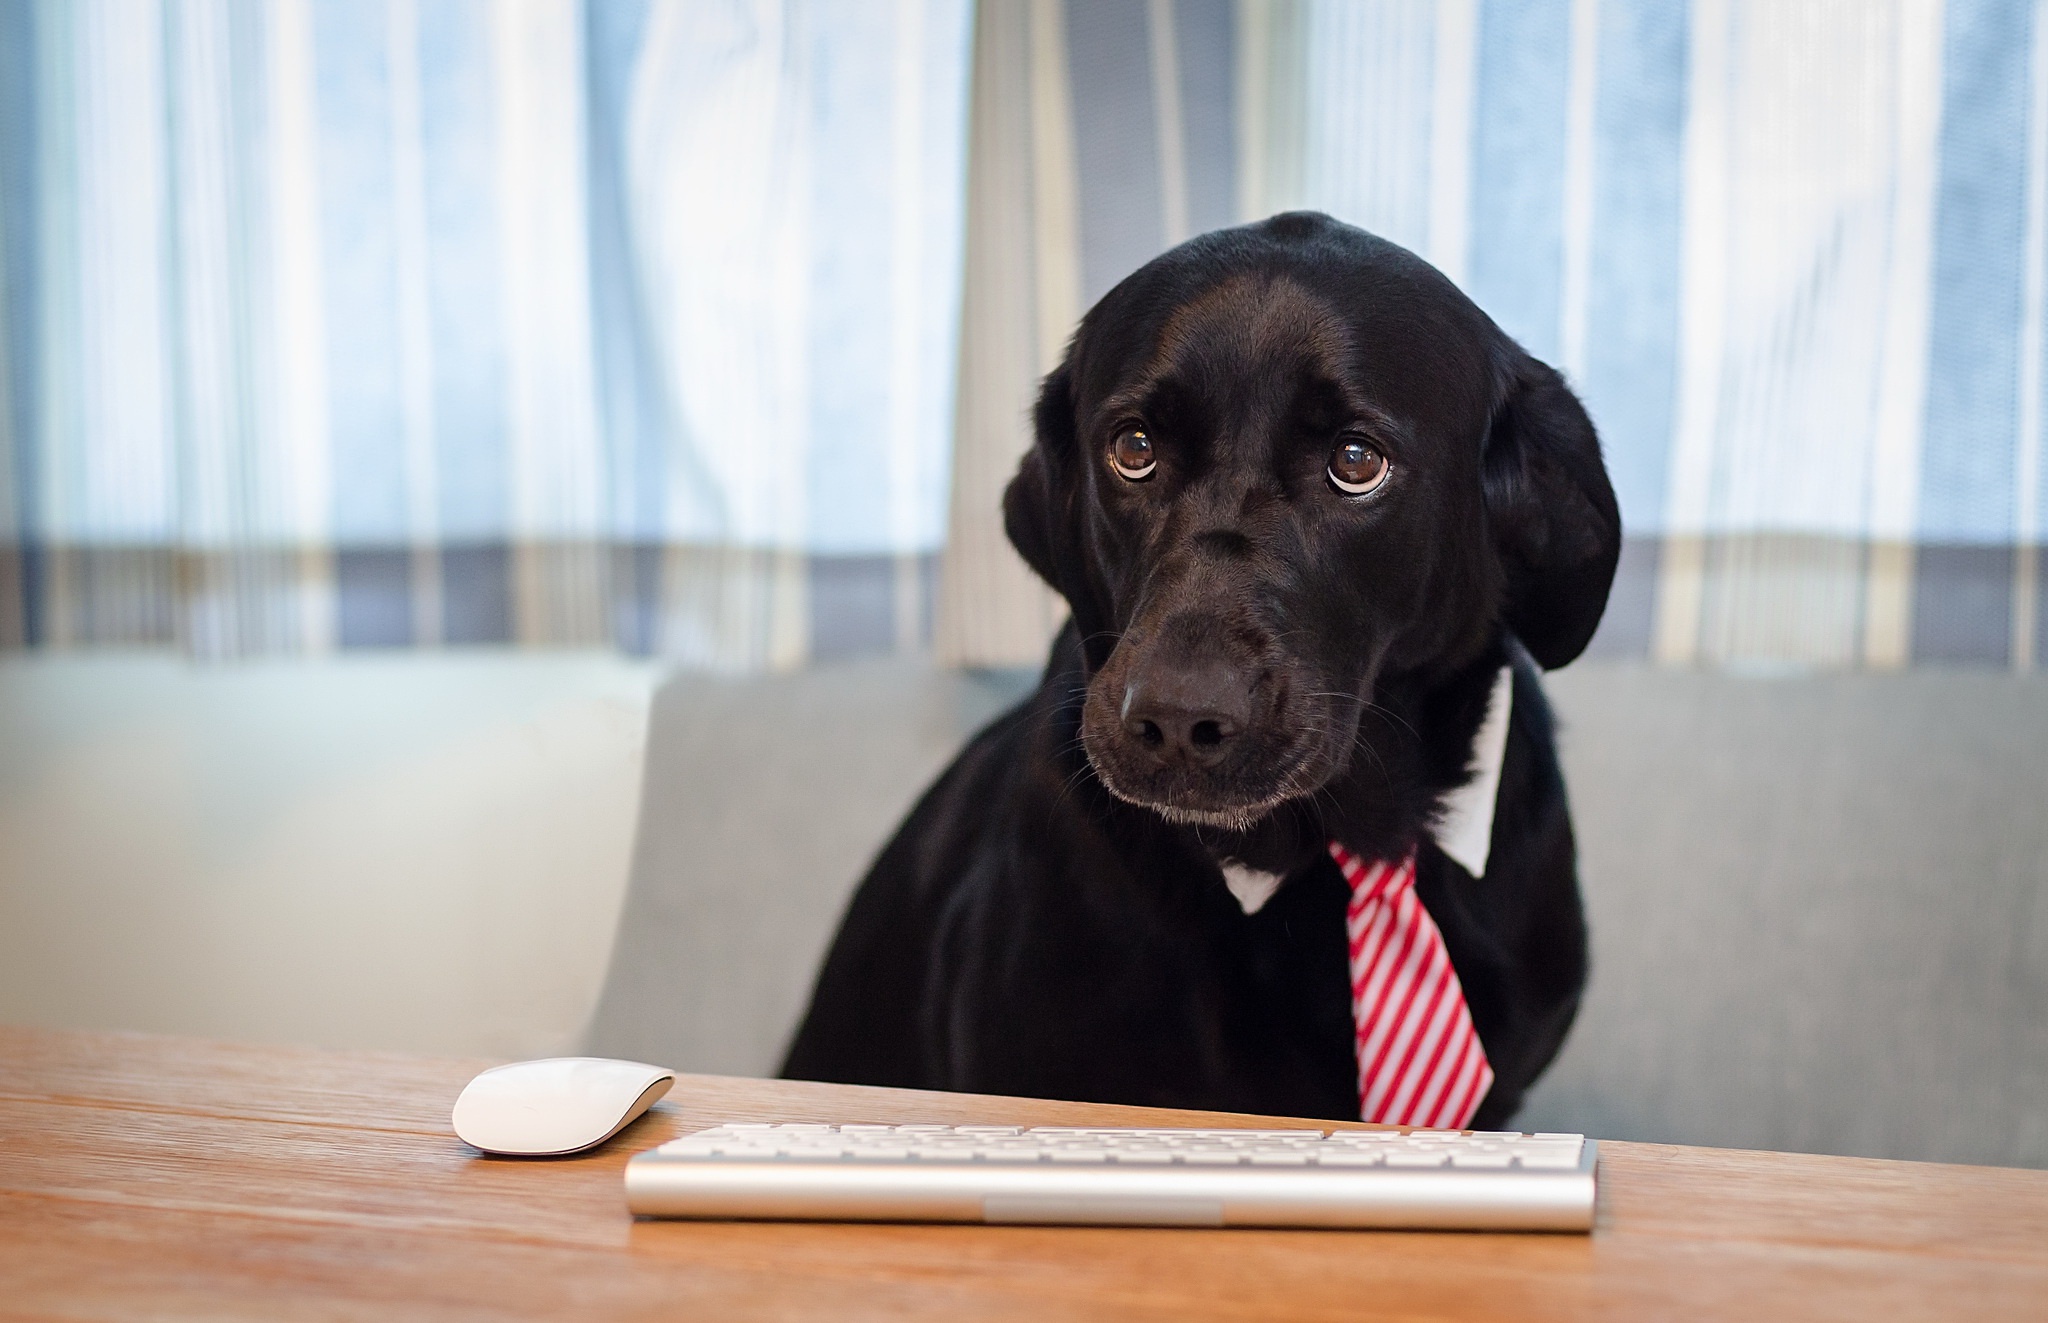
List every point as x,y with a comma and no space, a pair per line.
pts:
1253,887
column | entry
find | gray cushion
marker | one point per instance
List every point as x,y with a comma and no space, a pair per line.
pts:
1819,910
765,799
1819,904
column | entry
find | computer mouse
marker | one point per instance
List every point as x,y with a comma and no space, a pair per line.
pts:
559,1105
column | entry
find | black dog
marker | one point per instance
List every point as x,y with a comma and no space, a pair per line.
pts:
1305,500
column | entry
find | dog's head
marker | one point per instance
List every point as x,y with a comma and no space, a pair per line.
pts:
1280,465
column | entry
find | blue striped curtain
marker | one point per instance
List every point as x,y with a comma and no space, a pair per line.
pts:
415,322
412,322
1791,253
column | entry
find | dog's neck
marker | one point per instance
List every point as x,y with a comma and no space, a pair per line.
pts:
1414,752
1392,794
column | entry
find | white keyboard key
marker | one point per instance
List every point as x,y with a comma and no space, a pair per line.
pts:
1274,1158
1494,1161
1360,1159
1417,1157
882,1152
1557,1161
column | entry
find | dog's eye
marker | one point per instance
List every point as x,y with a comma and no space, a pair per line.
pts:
1131,454
1356,468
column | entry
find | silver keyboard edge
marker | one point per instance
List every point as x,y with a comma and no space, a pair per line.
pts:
1433,1199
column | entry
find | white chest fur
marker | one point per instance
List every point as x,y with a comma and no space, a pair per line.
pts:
1251,887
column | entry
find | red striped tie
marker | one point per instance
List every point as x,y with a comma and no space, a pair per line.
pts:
1419,1060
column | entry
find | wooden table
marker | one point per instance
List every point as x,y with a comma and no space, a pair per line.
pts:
172,1178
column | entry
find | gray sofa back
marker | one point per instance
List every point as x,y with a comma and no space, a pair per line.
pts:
1819,904
763,802
1819,910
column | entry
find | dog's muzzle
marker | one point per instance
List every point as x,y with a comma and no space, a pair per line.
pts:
1175,722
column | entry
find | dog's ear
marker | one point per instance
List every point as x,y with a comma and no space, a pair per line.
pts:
1043,516
1552,513
1033,505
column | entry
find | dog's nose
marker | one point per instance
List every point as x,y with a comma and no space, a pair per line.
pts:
1193,713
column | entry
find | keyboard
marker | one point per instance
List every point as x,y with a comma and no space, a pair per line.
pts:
1438,1179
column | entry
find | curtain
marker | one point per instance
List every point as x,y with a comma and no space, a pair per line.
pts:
704,328
1790,252
345,323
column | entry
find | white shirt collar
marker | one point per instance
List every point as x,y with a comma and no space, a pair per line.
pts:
1464,830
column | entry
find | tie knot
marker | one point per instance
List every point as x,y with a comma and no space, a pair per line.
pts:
1374,879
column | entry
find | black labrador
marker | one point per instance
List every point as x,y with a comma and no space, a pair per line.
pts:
1305,500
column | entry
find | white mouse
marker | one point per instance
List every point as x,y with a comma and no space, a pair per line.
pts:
560,1105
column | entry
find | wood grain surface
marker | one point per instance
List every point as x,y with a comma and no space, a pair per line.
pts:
148,1177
